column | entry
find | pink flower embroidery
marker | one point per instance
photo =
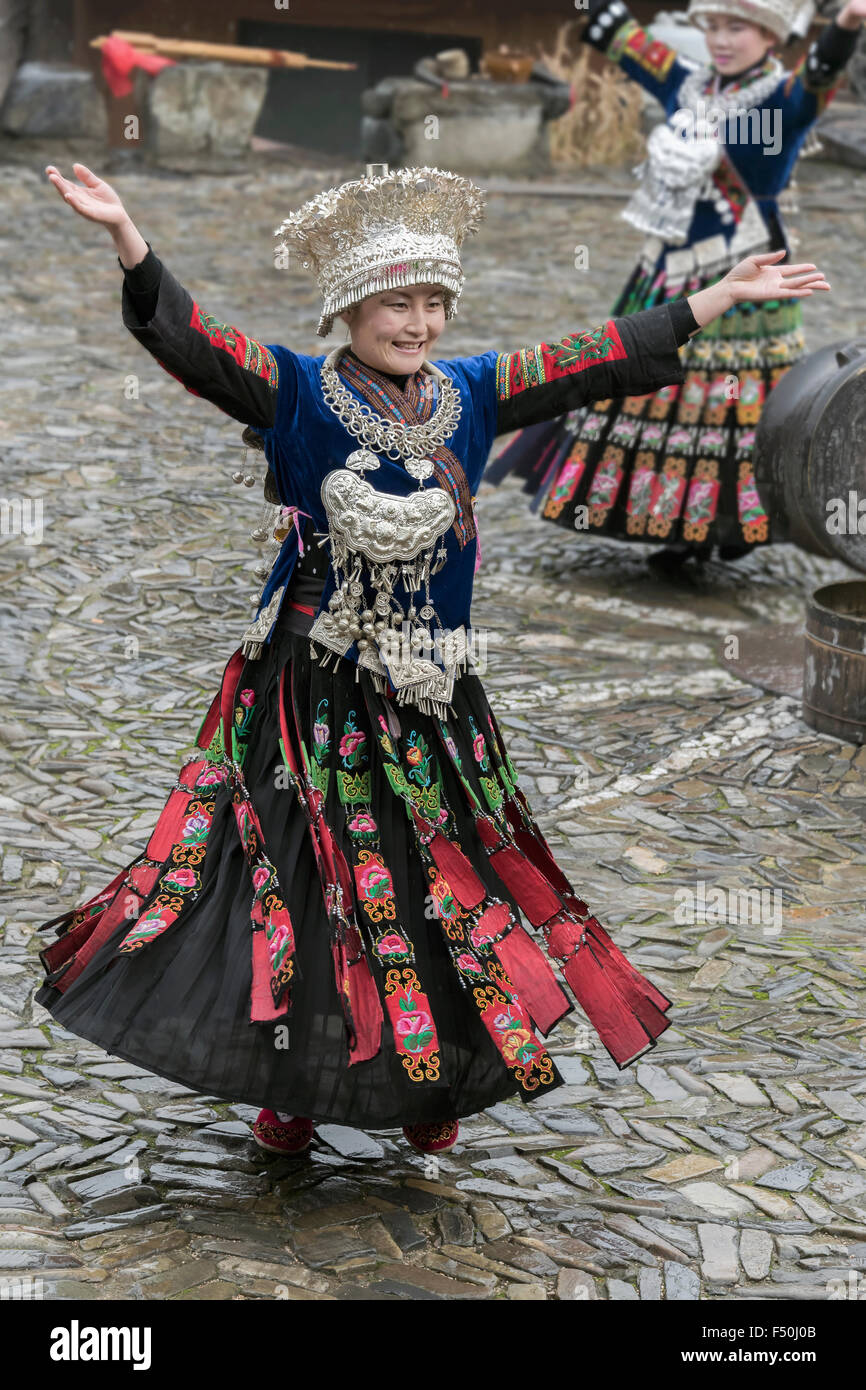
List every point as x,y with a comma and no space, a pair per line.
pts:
391,945
351,742
362,823
184,878
248,698
208,776
478,748
408,1024
260,876
467,962
375,882
276,943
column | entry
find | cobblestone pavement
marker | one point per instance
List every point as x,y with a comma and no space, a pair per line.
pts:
731,1163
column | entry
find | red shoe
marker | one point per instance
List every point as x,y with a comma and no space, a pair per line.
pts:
293,1137
432,1138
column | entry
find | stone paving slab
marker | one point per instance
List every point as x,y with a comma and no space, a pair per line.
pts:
718,837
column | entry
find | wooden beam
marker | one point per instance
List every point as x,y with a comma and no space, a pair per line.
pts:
223,52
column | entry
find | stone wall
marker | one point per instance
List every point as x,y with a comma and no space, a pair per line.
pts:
203,108
47,99
479,127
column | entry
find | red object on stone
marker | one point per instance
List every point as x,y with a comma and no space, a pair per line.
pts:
120,58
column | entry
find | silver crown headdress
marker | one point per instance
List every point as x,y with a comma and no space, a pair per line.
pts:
780,16
402,227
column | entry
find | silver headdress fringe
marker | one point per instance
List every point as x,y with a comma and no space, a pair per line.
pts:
383,232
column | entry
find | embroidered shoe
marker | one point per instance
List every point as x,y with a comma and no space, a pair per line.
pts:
292,1137
432,1138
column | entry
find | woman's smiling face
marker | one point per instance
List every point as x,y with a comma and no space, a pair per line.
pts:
395,331
735,44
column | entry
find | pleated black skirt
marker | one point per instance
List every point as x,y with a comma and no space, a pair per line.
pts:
180,1006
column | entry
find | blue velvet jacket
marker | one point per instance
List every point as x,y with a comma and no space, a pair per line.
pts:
278,393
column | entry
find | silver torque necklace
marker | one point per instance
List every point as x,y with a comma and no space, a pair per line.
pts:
701,83
410,443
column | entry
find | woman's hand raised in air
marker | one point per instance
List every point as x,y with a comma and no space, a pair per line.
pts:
90,196
755,279
762,277
93,198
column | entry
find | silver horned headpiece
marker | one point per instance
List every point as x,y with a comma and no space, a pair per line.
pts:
402,227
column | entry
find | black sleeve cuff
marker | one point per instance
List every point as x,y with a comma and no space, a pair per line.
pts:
142,282
605,17
683,320
829,54
145,275
650,340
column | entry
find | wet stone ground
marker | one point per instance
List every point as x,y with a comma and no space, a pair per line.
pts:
728,1164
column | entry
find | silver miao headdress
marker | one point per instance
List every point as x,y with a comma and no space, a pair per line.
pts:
403,227
779,16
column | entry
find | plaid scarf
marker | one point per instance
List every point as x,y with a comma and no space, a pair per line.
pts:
413,406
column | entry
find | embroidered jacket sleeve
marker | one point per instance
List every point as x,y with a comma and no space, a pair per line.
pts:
807,91
615,32
211,359
629,356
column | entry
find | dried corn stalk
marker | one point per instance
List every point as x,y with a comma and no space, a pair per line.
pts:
604,125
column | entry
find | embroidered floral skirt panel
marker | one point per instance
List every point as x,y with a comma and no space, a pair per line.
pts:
674,466
337,933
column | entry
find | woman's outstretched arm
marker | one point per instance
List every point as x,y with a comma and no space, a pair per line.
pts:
211,359
635,354
613,30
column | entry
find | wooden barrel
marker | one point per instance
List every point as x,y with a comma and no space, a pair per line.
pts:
810,454
834,682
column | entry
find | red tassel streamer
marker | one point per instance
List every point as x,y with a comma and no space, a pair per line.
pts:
620,1008
648,1002
526,884
621,1033
262,1006
209,724
124,907
166,832
525,965
62,950
452,863
228,689
366,1013
538,852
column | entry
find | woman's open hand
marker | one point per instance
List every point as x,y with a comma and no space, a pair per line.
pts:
755,279
90,196
96,200
761,277
852,15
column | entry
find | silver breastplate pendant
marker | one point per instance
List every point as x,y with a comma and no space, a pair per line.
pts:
380,540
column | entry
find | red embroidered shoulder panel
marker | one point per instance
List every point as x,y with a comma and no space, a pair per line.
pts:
631,41
252,355
520,371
